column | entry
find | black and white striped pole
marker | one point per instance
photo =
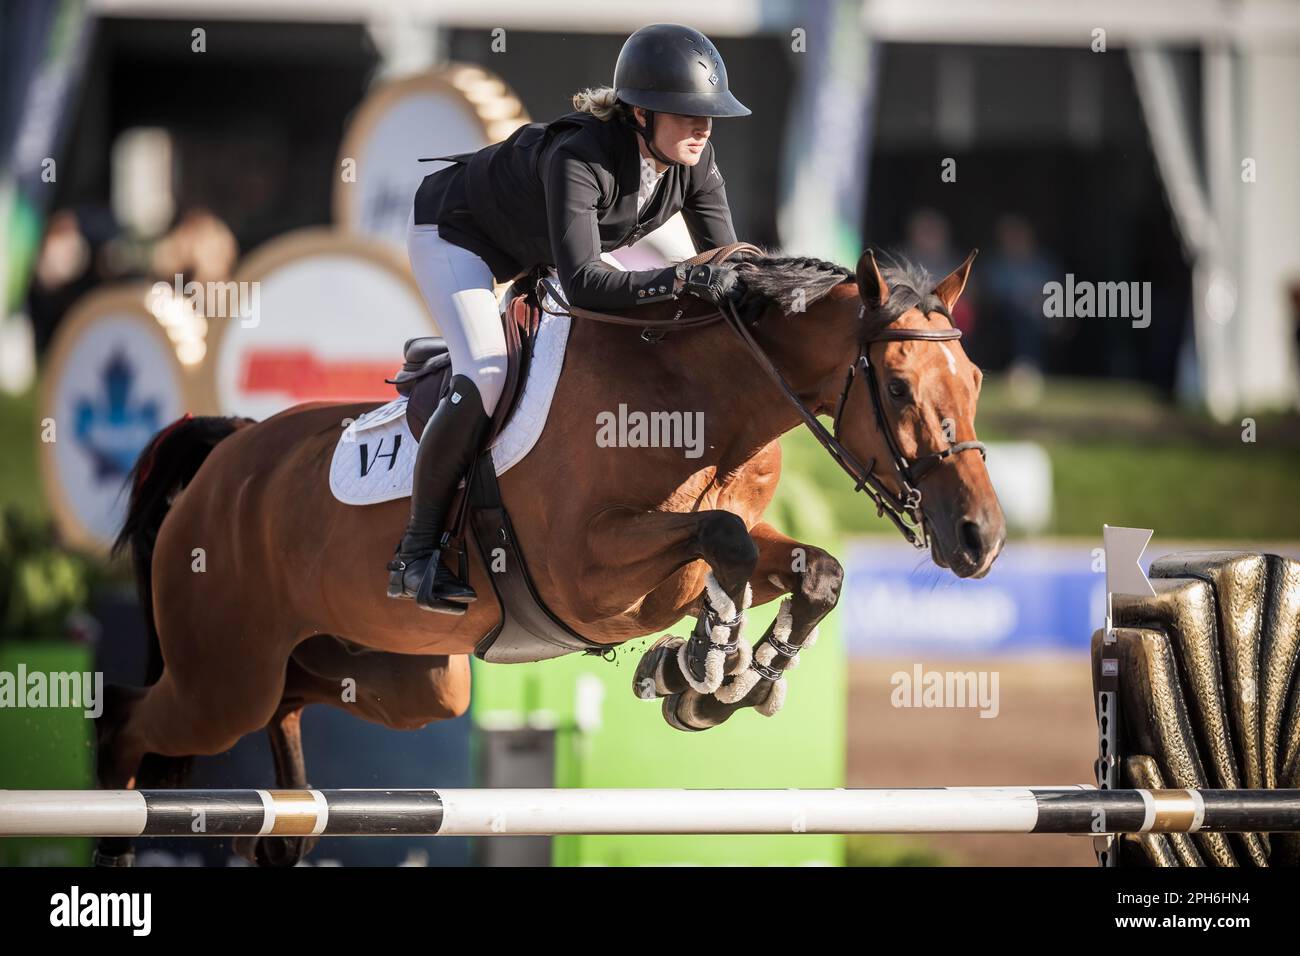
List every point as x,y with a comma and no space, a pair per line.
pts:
359,813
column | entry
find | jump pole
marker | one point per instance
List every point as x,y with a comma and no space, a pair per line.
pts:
224,813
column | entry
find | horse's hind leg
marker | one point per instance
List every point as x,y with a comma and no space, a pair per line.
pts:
117,770
147,736
284,733
116,764
401,691
223,679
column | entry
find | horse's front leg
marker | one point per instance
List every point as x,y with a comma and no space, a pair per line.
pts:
812,577
645,549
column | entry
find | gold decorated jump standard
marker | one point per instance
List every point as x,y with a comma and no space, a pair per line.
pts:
1076,809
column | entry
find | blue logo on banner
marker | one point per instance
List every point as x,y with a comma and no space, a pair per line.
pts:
1036,597
110,425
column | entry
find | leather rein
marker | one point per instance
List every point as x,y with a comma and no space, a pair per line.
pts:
903,509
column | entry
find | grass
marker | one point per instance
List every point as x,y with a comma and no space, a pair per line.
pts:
1186,492
863,850
20,484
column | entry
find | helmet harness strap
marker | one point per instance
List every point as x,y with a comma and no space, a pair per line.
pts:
647,132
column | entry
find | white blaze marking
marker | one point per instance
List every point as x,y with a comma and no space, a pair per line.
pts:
952,362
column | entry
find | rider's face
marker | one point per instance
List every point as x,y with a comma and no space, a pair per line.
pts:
680,137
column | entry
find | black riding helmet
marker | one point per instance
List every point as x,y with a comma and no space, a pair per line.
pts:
670,68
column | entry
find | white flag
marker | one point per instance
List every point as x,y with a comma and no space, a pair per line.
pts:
1124,547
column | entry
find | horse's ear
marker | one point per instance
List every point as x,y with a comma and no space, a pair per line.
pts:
871,284
950,289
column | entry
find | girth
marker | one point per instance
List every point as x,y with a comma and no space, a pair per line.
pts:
903,509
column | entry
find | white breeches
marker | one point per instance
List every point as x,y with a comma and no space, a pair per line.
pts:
457,287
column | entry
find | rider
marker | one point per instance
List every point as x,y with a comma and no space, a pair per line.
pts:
558,194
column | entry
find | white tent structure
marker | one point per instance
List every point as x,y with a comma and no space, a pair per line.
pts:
1234,192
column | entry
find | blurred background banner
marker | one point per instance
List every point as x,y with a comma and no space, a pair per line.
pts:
823,182
43,47
457,109
896,603
325,311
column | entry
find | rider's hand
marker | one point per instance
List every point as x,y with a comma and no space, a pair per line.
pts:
714,283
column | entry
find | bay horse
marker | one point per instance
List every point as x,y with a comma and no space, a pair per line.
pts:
633,539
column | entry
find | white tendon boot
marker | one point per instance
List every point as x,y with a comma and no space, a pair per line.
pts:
727,625
765,652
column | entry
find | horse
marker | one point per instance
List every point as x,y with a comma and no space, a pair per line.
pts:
624,542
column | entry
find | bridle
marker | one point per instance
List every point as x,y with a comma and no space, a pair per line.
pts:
903,509
910,471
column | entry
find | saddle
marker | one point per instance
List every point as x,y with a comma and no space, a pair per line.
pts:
426,366
527,631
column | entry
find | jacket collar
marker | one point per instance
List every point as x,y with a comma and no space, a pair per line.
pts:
628,158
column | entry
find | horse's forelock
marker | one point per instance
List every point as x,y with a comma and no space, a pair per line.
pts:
910,287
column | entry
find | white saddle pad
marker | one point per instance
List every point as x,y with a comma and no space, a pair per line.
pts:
375,457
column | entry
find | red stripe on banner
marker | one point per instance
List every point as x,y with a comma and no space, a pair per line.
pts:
304,377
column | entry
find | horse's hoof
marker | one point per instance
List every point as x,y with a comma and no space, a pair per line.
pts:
692,711
112,858
674,720
274,852
771,705
656,669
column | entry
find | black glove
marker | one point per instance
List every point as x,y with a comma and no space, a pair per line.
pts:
714,283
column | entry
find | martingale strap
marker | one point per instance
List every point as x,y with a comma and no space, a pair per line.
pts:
903,509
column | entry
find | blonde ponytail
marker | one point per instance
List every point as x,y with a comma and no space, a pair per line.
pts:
599,101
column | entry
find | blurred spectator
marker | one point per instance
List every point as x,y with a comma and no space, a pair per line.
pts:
1013,280
200,247
65,253
70,262
929,243
85,247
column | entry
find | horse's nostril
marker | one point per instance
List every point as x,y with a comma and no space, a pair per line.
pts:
972,540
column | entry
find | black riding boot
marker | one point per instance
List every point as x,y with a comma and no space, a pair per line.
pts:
448,445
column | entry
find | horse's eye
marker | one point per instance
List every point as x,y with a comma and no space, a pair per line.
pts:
897,388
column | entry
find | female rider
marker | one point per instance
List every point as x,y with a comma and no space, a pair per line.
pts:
558,194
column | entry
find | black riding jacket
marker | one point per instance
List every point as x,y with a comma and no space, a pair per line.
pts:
559,194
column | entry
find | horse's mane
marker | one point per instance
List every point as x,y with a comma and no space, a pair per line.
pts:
770,280
778,280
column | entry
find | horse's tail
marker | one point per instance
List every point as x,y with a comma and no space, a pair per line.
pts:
167,464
